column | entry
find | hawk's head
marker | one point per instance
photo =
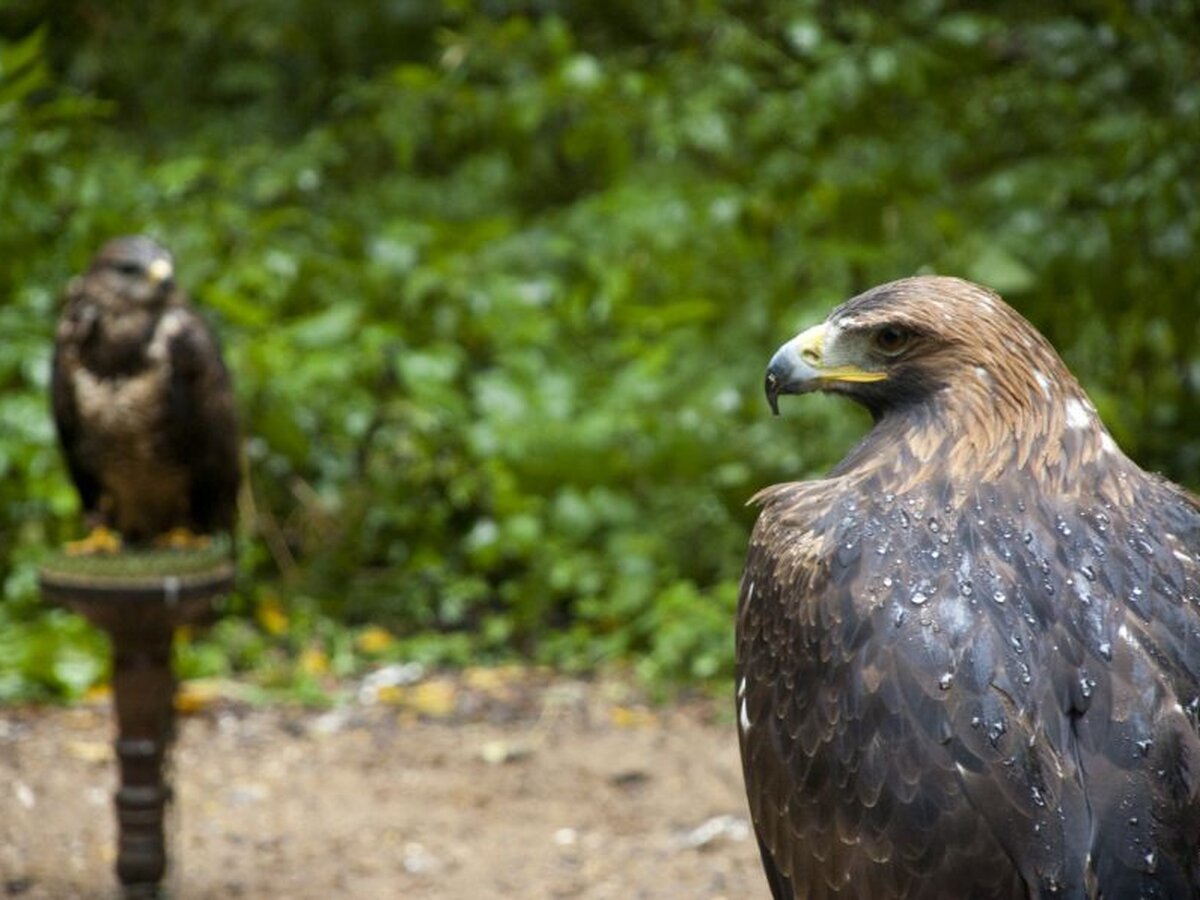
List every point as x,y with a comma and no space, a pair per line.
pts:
952,374
134,270
902,343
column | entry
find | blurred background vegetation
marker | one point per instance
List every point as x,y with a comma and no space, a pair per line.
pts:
498,281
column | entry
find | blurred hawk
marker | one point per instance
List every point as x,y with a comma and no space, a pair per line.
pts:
143,403
968,660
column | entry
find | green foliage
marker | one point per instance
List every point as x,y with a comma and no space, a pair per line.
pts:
498,282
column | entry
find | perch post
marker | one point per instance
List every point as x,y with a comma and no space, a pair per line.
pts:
138,599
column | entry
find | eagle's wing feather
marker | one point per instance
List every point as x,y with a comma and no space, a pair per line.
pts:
1036,730
72,331
1138,739
838,666
203,422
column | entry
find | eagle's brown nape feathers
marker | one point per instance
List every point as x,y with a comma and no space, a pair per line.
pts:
969,659
142,400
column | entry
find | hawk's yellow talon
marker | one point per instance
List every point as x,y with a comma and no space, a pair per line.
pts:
100,540
182,539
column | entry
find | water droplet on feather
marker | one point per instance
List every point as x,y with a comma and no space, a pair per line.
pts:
996,731
1086,686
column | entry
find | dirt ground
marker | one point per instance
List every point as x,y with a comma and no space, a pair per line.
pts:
484,784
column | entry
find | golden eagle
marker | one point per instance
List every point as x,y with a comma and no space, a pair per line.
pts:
968,660
143,403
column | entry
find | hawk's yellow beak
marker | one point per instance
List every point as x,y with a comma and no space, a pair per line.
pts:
160,270
799,367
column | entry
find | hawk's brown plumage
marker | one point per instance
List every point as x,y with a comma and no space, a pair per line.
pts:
142,399
969,658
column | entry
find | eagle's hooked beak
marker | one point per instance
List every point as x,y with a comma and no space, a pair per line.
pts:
160,270
799,367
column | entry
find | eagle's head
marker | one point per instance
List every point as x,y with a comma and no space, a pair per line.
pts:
950,372
135,270
909,341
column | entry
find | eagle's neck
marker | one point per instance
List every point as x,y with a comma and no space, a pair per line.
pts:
1041,430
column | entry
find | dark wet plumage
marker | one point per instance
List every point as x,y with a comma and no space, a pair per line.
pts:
969,658
142,399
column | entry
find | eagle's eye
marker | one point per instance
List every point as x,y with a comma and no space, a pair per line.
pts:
891,340
130,269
